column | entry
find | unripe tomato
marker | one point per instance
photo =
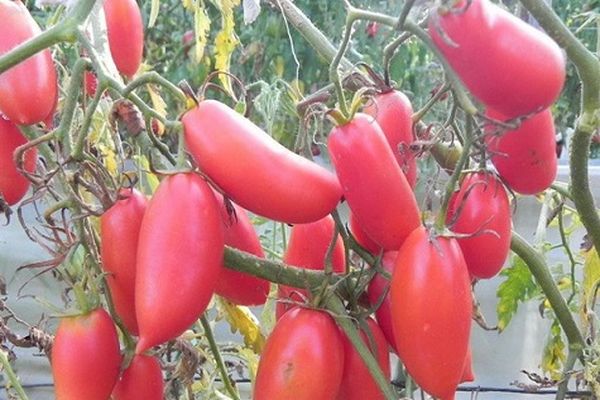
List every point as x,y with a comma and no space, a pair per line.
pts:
85,357
239,287
180,256
119,230
378,287
307,248
525,158
125,30
481,208
377,191
432,304
141,380
303,358
393,112
506,63
28,90
357,382
256,171
13,185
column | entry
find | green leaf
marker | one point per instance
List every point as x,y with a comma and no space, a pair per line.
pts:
518,287
554,352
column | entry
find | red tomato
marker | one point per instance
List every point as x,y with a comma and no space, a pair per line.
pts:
125,30
468,375
180,256
357,382
361,237
379,286
29,89
481,207
307,248
239,287
525,158
303,358
119,230
141,380
13,185
506,63
393,112
374,186
431,303
90,83
85,357
254,170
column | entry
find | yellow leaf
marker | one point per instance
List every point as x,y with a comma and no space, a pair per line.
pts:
226,40
242,320
251,361
148,180
591,279
155,8
160,106
202,28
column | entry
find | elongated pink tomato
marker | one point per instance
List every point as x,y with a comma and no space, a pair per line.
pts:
307,248
256,171
377,191
13,185
304,345
393,112
506,63
481,208
29,89
125,30
141,380
239,287
180,255
119,231
85,357
525,158
431,303
361,237
378,293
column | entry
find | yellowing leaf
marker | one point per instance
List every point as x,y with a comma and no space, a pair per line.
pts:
226,40
251,361
279,66
591,275
160,106
242,320
554,352
154,9
148,180
202,28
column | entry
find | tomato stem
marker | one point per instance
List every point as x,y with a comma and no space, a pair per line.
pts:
12,377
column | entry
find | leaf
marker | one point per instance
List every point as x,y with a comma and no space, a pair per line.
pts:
201,31
554,352
590,282
226,40
241,320
155,8
519,286
251,359
159,104
148,180
251,10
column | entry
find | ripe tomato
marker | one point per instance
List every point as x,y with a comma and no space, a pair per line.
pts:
180,256
303,358
379,286
393,112
525,158
120,230
357,382
307,248
374,186
468,375
361,237
85,357
13,185
431,303
481,207
254,170
141,380
506,63
90,83
125,30
29,89
239,287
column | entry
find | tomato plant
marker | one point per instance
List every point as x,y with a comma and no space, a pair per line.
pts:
141,380
13,185
28,90
125,32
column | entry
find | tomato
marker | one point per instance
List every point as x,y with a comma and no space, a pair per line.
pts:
13,185
307,248
377,191
29,89
125,30
393,112
379,286
256,171
431,302
357,382
239,287
119,230
90,83
506,63
481,207
85,357
525,158
361,237
468,375
180,256
303,358
141,380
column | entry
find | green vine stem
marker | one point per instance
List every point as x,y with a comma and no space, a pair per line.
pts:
334,75
12,377
588,68
218,358
155,78
72,95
